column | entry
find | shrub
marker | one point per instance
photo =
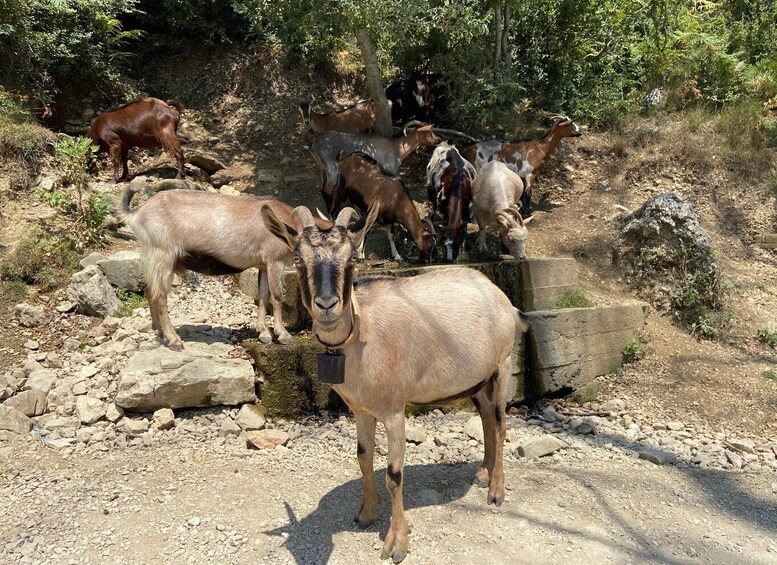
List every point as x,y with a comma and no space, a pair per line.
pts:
770,375
572,299
41,258
767,336
634,350
130,301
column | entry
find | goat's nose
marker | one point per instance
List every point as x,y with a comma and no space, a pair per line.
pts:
327,302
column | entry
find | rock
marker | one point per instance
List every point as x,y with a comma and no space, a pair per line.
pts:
91,259
656,456
92,293
251,417
41,379
70,344
734,459
64,306
114,413
206,162
193,521
474,428
614,405
31,316
414,434
675,426
652,100
32,345
89,409
122,270
272,176
164,419
745,445
229,428
28,402
220,178
135,427
14,421
194,377
266,439
539,447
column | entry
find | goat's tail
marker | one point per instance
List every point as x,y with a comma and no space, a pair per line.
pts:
127,196
521,321
175,103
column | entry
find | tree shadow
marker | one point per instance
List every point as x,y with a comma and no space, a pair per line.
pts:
337,508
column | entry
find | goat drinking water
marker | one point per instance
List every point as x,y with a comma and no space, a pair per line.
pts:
212,234
386,328
144,123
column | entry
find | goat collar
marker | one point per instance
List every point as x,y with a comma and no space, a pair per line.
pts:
356,321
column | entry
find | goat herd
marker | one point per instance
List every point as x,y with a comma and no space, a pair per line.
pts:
394,341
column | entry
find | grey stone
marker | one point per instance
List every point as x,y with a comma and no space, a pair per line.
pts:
194,377
745,445
571,347
164,419
91,259
229,428
31,316
122,269
205,161
656,456
220,178
13,421
135,427
675,426
266,439
272,176
29,402
429,497
414,434
114,413
539,447
92,293
546,279
251,417
64,306
41,379
89,409
474,428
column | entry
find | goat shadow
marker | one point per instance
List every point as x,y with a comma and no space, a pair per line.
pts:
337,508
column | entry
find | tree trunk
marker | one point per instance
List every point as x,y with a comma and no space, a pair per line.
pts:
374,83
506,40
498,42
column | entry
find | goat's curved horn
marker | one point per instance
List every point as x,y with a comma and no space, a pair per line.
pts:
427,222
529,219
503,219
515,213
456,133
303,215
322,215
412,123
345,216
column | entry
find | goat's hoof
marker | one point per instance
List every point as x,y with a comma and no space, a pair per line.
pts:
175,345
265,337
495,499
285,339
481,478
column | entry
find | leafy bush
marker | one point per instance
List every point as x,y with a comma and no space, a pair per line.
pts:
770,375
129,302
767,336
634,350
41,258
572,299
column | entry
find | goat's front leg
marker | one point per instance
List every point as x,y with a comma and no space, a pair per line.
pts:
396,543
394,253
365,449
481,234
275,281
261,302
116,159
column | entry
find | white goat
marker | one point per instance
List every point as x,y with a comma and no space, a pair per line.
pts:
495,194
436,337
211,234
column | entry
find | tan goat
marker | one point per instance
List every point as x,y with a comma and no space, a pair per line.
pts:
212,234
433,338
495,194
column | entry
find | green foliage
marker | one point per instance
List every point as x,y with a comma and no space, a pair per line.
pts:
21,140
129,302
215,21
71,157
770,375
572,299
634,350
17,288
41,258
48,44
767,336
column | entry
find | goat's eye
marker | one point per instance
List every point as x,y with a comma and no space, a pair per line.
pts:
297,260
354,258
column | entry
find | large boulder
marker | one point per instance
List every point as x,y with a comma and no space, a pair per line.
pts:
197,376
28,402
206,162
93,294
122,269
12,420
30,316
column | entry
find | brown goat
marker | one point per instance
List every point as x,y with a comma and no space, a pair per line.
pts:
355,119
144,123
526,157
365,184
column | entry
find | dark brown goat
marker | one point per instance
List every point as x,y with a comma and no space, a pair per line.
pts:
449,184
355,119
365,184
144,123
526,157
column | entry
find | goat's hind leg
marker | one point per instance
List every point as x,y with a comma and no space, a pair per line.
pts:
485,408
275,282
365,449
261,302
394,253
503,388
396,542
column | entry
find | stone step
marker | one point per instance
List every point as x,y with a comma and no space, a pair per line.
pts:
767,241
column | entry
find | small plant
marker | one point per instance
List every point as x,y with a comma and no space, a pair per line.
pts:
634,350
130,301
41,258
767,336
17,288
587,393
572,299
770,375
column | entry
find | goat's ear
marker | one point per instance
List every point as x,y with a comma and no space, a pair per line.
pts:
284,232
362,226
